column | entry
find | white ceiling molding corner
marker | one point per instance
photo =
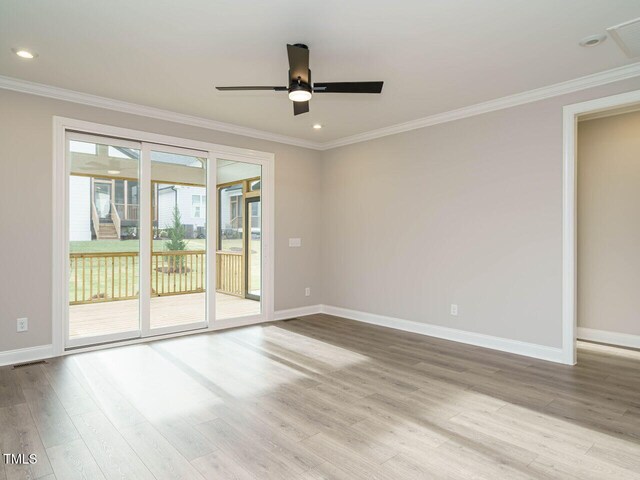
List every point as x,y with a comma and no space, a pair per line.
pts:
57,93
563,88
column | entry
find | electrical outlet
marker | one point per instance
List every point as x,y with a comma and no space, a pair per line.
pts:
454,309
307,292
23,324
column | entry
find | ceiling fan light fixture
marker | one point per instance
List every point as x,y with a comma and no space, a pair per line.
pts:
300,93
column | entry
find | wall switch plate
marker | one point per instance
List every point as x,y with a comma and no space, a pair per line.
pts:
295,242
454,309
23,324
307,292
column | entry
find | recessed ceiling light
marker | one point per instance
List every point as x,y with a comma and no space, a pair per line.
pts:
317,126
593,40
24,53
113,172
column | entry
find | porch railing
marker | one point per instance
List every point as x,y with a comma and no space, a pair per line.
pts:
131,211
230,273
115,218
101,277
110,276
178,272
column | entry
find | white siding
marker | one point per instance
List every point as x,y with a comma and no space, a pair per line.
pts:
166,202
185,206
79,208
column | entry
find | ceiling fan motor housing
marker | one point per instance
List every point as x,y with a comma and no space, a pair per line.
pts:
297,85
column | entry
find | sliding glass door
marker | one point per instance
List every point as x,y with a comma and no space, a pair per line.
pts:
104,246
151,230
137,243
179,250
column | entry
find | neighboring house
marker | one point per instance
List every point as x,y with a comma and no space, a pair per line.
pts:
102,208
79,208
191,202
231,208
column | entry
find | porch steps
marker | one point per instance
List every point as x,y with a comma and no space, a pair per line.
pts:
107,231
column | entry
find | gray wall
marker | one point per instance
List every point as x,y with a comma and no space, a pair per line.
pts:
466,212
609,223
26,222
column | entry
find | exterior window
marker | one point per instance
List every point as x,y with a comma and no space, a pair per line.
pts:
236,217
230,200
198,205
132,192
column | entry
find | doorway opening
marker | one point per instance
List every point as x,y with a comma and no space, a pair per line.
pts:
608,227
571,115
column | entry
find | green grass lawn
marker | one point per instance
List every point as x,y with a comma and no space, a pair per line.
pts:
102,246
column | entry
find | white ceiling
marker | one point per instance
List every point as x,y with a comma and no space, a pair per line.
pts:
433,55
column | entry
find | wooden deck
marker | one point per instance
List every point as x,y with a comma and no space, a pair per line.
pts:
113,317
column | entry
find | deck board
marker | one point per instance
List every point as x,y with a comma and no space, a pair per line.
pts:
113,317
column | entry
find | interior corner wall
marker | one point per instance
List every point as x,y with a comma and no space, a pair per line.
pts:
609,224
26,133
467,212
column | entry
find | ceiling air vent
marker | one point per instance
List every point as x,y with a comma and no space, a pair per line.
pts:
627,36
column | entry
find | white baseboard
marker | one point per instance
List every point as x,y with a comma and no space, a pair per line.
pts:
497,343
612,338
30,354
297,312
542,352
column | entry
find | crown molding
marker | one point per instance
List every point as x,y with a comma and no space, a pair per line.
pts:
563,88
24,86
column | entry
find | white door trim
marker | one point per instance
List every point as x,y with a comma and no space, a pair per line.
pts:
144,239
60,226
571,113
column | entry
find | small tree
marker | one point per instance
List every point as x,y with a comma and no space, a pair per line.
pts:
176,241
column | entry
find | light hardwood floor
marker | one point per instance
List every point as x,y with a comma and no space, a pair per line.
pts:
322,397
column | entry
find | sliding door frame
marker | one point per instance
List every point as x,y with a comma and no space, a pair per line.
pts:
148,213
60,228
111,141
247,243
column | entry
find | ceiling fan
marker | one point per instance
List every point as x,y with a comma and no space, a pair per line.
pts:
300,87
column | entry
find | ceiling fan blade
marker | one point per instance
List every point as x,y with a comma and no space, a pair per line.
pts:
348,87
238,89
298,62
300,107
